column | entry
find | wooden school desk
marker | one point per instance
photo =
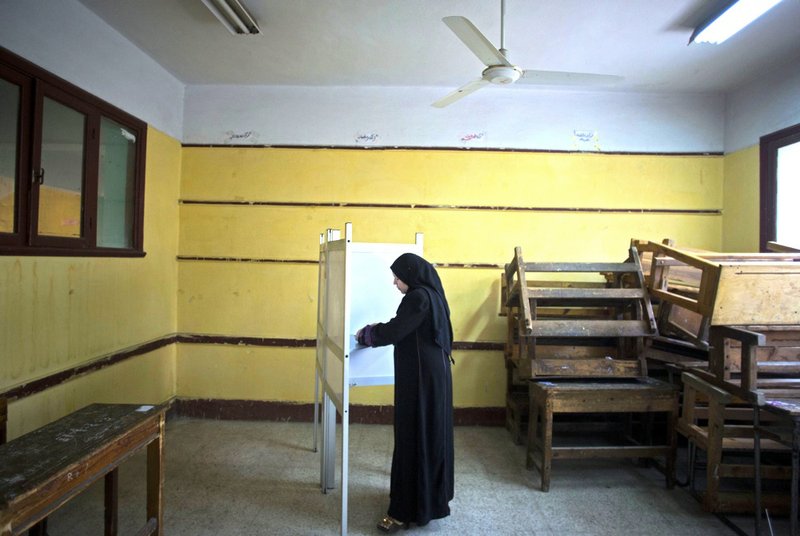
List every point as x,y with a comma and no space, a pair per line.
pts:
44,469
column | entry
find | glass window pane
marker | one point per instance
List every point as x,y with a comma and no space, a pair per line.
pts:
9,117
115,194
787,222
60,195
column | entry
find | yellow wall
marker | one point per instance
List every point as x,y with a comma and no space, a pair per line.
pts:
59,312
272,299
740,230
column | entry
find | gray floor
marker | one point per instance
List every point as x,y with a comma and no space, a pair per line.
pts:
235,478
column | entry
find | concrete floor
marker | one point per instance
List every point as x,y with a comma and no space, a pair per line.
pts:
262,478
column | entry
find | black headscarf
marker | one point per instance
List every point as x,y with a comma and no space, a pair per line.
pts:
416,272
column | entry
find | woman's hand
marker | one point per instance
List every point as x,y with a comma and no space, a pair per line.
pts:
361,335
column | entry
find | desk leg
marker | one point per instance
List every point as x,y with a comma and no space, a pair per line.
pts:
672,437
155,479
795,469
111,502
547,444
716,422
757,468
39,529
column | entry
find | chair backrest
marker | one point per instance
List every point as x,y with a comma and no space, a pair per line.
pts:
566,321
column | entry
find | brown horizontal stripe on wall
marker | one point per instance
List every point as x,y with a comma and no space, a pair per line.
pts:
36,386
453,148
593,210
245,259
476,265
245,341
42,384
257,410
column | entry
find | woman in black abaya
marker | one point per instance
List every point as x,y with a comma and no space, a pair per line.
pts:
422,463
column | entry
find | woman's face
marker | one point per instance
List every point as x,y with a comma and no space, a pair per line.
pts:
402,287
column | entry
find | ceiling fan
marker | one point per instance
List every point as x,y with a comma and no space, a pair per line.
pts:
501,71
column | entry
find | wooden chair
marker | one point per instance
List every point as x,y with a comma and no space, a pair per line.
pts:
720,424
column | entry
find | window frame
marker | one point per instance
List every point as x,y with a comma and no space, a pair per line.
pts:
768,171
36,84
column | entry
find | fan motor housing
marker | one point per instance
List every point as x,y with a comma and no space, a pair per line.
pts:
502,74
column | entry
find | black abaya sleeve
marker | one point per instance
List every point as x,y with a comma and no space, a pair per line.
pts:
411,313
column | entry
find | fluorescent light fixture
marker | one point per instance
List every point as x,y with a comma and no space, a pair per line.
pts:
730,20
233,15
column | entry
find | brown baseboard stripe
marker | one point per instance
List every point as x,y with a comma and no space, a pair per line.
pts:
257,410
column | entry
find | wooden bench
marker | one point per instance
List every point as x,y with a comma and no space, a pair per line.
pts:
42,470
638,395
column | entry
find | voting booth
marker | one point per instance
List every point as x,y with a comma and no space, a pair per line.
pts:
355,289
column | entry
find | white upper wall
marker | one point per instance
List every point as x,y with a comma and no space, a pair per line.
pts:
70,41
494,118
766,105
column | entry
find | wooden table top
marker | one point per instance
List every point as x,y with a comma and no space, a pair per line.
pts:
789,407
34,457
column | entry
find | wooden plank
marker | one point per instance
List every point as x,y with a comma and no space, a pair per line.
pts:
757,295
706,388
547,351
779,383
617,451
586,293
559,283
742,502
149,529
581,267
678,299
781,248
783,406
590,328
585,368
524,302
771,472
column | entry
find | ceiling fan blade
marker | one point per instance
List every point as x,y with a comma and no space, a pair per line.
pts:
562,78
475,41
463,91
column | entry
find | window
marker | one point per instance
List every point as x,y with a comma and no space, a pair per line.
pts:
780,188
71,168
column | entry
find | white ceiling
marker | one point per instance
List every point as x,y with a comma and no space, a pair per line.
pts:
405,42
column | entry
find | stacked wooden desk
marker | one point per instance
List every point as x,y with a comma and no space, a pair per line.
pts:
42,470
636,395
574,345
749,309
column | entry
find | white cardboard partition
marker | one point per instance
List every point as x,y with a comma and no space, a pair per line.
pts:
355,288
